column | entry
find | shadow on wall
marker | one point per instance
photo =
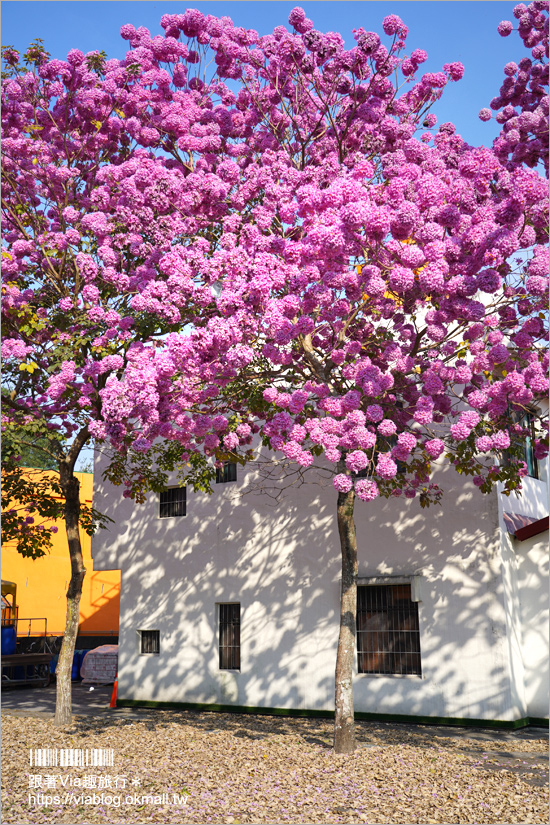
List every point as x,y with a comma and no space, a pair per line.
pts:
104,607
233,552
532,559
282,564
105,619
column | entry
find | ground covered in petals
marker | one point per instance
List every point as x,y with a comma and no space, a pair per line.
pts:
189,767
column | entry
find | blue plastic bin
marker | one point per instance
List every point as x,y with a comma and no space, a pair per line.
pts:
78,655
9,640
77,661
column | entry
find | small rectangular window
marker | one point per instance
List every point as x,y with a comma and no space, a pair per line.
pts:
173,502
150,641
388,633
230,636
226,473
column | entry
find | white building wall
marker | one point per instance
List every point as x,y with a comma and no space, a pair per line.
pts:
532,560
462,619
525,573
281,562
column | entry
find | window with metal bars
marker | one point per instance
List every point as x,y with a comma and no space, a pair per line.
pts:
173,502
226,473
150,641
388,633
230,636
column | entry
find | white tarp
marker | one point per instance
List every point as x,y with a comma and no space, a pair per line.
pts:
100,665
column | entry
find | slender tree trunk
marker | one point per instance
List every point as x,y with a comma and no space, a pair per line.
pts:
71,489
344,727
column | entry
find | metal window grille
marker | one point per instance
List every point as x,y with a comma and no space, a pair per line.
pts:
226,473
388,633
230,636
150,641
173,502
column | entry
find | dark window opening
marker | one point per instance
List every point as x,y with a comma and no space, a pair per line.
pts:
388,633
525,420
173,502
230,636
529,449
226,473
150,641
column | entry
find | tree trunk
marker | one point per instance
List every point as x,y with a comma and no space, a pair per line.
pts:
344,728
71,490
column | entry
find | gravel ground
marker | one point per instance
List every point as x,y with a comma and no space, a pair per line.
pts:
230,768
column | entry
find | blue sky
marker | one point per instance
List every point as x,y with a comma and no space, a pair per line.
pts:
448,31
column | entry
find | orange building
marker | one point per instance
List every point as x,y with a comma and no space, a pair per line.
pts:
42,584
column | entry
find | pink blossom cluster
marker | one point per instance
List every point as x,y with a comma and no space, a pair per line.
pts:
522,103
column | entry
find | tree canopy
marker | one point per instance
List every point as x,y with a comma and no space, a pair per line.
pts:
381,290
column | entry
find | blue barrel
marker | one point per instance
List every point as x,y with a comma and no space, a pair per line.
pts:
75,671
9,639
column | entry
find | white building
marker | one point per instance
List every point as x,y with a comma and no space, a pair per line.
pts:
236,603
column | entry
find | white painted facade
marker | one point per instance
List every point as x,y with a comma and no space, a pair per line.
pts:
483,597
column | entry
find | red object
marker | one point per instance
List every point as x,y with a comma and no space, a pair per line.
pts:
531,530
114,695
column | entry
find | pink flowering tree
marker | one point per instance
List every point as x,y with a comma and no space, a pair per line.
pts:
361,294
522,103
372,296
86,220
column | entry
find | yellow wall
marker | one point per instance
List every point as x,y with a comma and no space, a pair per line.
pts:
42,583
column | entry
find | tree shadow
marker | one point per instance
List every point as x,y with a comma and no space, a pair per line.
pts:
104,609
281,562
